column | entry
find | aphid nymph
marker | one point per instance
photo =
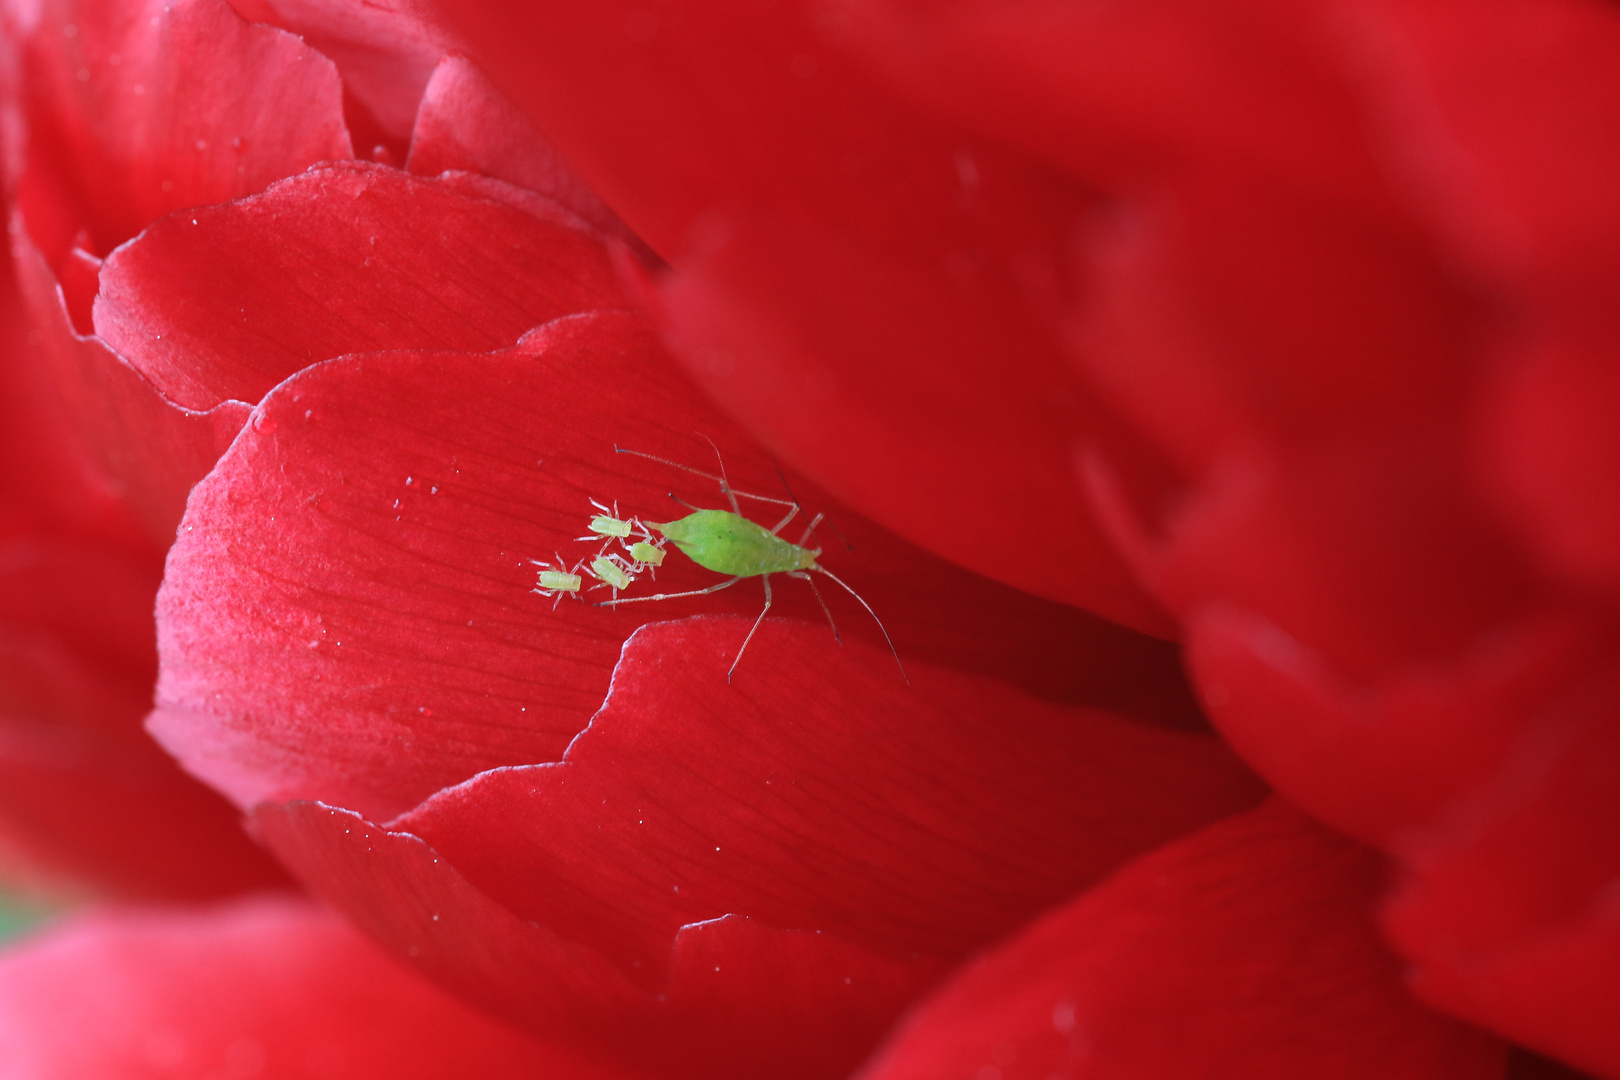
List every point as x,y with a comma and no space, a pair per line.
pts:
556,580
727,543
612,571
608,525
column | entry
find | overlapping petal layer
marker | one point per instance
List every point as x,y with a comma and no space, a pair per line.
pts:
855,282
139,109
1349,267
272,988
382,513
467,125
816,826
224,302
1247,950
128,112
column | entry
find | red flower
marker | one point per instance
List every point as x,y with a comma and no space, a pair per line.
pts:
1279,324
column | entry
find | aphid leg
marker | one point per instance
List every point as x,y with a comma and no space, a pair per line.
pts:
787,518
824,609
725,489
766,580
823,570
726,584
810,529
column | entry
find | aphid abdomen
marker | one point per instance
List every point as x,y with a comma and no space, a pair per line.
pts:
610,573
643,552
607,526
561,580
730,544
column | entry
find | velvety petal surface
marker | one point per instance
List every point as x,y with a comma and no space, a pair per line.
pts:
816,824
226,301
270,988
148,107
348,616
1247,950
465,123
848,273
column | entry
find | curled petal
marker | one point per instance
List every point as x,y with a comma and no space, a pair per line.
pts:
816,826
226,301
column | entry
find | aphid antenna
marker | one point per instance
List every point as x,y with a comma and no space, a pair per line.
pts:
825,610
817,520
683,502
706,475
731,497
818,568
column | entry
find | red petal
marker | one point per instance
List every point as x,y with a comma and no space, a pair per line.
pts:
272,988
121,457
393,503
1245,951
1508,128
1120,93
171,103
816,755
86,798
465,123
1556,455
886,376
385,49
740,998
1512,907
854,283
226,301
833,819
1375,762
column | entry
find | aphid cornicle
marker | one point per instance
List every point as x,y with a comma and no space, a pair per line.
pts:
727,543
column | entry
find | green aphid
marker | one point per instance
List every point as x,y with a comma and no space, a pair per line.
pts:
648,554
608,525
559,581
608,569
727,543
555,580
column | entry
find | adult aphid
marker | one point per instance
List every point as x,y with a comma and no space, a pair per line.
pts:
727,543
